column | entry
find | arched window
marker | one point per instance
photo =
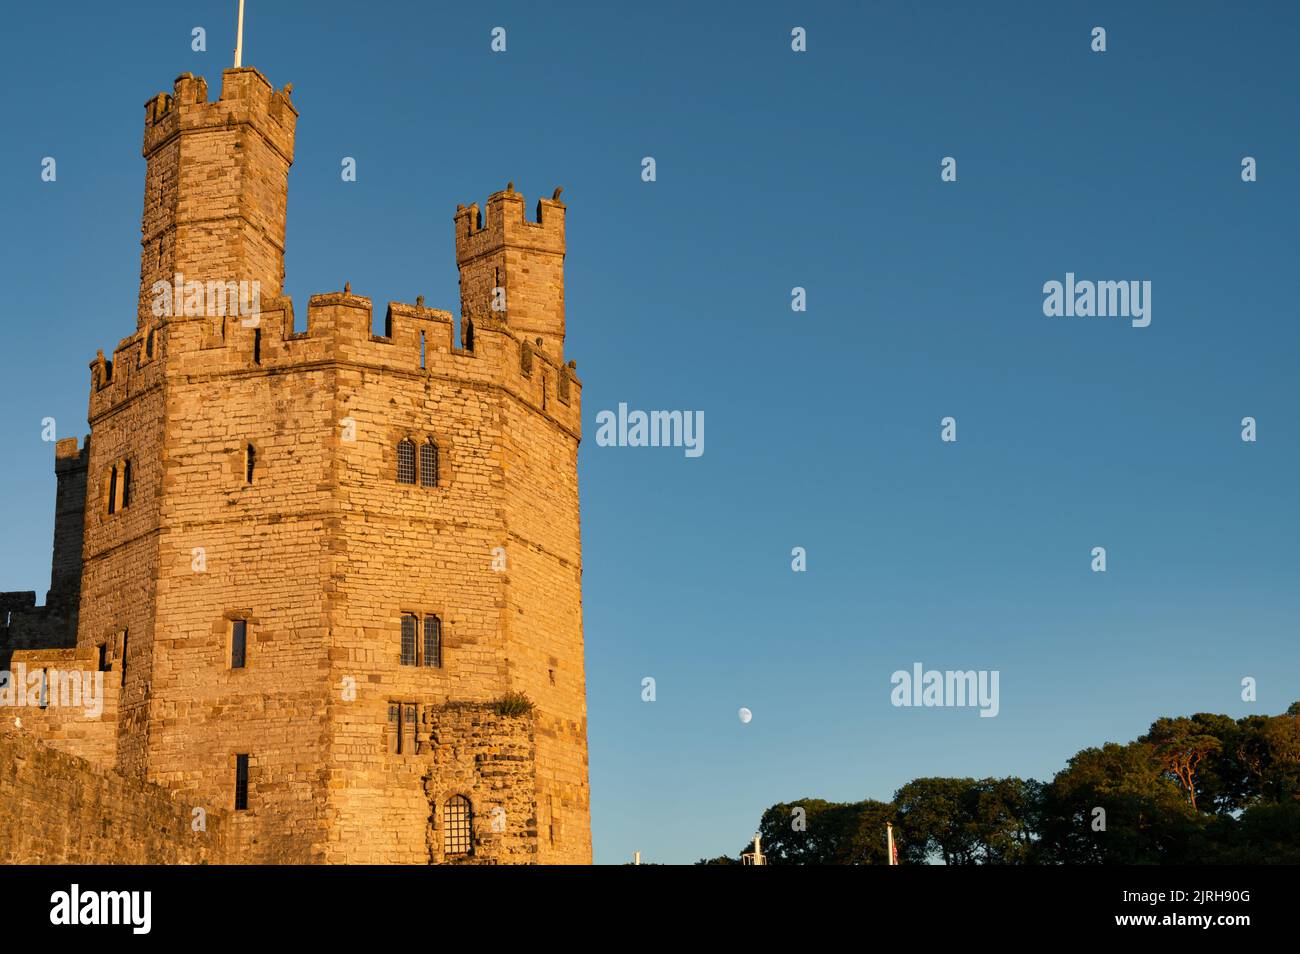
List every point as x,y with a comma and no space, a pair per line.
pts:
406,462
458,826
432,641
429,464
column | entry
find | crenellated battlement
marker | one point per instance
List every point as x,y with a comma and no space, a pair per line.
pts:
247,97
418,341
133,369
506,224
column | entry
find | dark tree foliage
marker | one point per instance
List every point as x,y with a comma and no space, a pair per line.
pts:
1201,789
1147,817
962,821
812,831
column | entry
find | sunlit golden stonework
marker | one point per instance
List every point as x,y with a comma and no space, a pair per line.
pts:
332,579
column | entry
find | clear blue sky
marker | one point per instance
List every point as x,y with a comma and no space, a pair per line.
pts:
778,169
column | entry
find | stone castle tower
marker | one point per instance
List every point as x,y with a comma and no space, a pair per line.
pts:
312,564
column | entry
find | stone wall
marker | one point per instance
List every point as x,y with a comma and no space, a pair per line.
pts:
489,758
57,808
464,749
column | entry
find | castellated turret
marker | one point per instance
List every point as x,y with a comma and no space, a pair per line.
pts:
216,184
335,577
512,269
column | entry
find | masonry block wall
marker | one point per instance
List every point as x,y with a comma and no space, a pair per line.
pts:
58,808
264,492
490,759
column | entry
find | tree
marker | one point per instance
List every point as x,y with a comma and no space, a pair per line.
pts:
1182,744
1144,819
1007,815
935,819
1194,789
812,831
968,821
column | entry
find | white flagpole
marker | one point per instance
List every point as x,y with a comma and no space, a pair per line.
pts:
889,842
239,38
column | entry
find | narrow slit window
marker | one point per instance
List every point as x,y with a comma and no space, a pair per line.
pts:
112,489
406,462
257,346
395,728
409,624
103,657
250,459
432,641
126,484
238,643
124,635
429,464
241,783
422,350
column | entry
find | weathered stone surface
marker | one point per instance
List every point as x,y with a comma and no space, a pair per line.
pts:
323,551
57,808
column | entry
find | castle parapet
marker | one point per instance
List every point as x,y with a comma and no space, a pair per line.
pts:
506,224
247,97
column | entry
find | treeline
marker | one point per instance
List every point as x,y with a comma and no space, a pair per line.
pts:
1201,790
